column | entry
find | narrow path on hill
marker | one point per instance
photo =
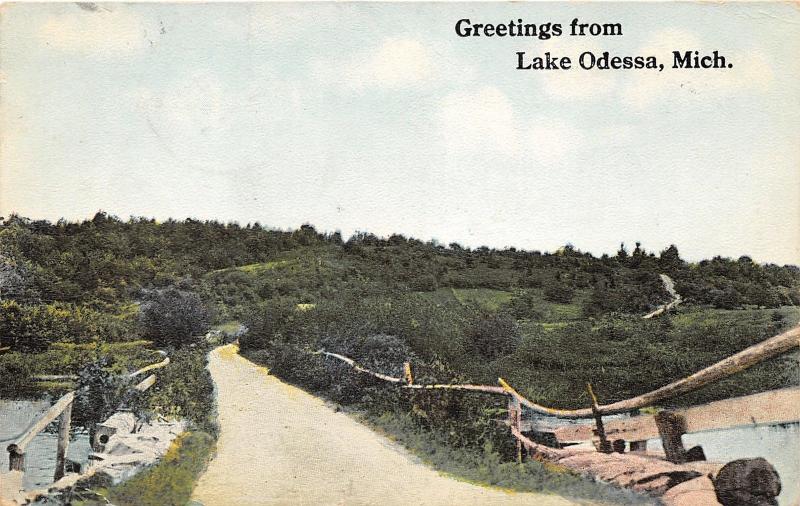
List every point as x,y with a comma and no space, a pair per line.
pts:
279,445
669,286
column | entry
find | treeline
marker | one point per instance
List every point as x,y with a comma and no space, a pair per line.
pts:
75,279
105,259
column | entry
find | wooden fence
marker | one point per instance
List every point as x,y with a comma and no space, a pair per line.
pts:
62,410
615,436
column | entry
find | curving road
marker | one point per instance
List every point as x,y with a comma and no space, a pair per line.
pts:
279,445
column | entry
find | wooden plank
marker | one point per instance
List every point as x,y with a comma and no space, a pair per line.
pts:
766,408
55,377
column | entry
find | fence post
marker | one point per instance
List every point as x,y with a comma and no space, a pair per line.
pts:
605,446
407,373
16,458
63,441
515,421
671,427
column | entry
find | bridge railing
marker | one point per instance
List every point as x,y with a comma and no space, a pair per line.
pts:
62,410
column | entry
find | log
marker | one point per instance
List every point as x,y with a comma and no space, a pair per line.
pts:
748,357
150,367
145,383
55,377
16,450
475,388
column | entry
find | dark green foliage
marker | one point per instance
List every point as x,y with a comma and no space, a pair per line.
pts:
98,393
559,292
491,334
184,389
171,317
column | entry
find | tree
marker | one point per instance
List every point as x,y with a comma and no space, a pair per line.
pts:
172,317
670,259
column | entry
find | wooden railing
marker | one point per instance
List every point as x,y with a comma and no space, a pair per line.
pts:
613,436
746,358
61,410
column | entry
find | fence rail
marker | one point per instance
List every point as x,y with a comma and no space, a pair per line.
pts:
746,358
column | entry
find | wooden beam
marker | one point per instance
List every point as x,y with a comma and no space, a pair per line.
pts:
748,357
766,408
55,377
150,367
391,379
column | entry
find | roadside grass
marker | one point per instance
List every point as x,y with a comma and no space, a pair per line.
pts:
259,268
168,483
227,327
487,468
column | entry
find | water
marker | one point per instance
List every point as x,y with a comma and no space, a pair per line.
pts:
779,444
40,455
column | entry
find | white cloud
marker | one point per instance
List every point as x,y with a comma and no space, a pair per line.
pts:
273,22
482,122
553,140
479,121
751,72
398,62
111,29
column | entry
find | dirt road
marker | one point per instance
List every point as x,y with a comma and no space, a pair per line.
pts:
280,445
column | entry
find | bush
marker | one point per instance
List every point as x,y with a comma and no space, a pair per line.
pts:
172,317
492,334
559,292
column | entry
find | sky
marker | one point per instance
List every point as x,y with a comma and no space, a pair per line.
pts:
377,117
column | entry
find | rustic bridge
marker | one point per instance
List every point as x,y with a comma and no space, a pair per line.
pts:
62,411
619,453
